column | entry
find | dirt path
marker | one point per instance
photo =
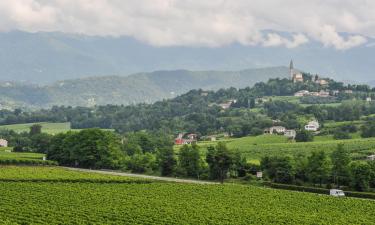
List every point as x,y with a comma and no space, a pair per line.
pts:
170,179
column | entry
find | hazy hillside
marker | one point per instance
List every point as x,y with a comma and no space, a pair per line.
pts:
50,57
142,87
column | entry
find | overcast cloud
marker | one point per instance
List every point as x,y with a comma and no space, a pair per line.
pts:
200,22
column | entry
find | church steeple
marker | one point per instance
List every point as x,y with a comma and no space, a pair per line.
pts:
291,69
291,66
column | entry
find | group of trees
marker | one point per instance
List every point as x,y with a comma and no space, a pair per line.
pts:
336,169
143,152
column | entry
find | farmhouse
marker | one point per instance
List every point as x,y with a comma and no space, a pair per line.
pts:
312,126
190,139
274,129
3,143
227,104
368,99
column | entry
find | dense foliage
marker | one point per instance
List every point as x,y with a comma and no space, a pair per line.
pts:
317,169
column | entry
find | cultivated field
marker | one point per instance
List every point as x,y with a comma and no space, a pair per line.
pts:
61,201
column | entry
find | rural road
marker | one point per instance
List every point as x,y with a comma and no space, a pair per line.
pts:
170,179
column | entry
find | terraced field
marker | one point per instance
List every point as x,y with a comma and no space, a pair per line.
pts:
63,202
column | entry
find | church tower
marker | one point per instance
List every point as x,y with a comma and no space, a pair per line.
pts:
291,69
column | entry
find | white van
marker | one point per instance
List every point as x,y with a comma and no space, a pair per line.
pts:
336,193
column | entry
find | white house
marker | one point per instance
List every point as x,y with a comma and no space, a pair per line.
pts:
312,126
368,99
275,129
371,157
290,133
302,93
3,143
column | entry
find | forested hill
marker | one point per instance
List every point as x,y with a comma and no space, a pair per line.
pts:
137,88
238,111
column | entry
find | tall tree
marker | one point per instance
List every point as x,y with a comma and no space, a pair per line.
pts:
219,159
318,167
360,174
167,161
340,159
190,160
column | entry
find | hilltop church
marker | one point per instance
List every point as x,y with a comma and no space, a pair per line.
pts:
295,75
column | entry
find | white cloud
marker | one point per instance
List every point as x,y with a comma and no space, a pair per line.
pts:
200,23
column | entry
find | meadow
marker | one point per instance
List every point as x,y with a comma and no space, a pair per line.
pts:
63,202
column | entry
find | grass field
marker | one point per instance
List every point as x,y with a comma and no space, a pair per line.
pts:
51,128
61,202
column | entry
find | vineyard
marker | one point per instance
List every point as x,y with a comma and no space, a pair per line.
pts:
62,202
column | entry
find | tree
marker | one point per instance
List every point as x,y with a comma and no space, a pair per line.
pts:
360,174
166,160
35,129
90,148
318,167
219,160
190,160
40,142
340,159
304,136
368,130
279,169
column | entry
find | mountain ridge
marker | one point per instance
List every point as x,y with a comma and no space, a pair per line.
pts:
132,89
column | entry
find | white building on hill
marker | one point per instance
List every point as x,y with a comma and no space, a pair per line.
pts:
312,126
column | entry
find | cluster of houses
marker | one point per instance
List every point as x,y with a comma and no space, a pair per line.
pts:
303,93
311,126
185,139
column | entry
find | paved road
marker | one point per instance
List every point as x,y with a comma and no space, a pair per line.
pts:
110,172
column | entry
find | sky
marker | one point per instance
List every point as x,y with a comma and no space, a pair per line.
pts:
197,23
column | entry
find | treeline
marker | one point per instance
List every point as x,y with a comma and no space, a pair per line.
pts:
320,169
143,152
198,111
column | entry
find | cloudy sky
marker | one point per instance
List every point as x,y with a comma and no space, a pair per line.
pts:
209,23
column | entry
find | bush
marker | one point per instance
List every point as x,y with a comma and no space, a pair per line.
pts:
304,136
341,135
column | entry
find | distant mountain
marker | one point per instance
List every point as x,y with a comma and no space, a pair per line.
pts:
44,58
137,88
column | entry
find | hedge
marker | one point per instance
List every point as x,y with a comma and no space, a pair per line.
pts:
27,162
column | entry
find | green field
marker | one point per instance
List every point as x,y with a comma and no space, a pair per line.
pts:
254,148
50,128
62,202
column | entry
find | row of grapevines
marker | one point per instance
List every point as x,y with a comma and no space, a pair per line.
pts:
173,203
